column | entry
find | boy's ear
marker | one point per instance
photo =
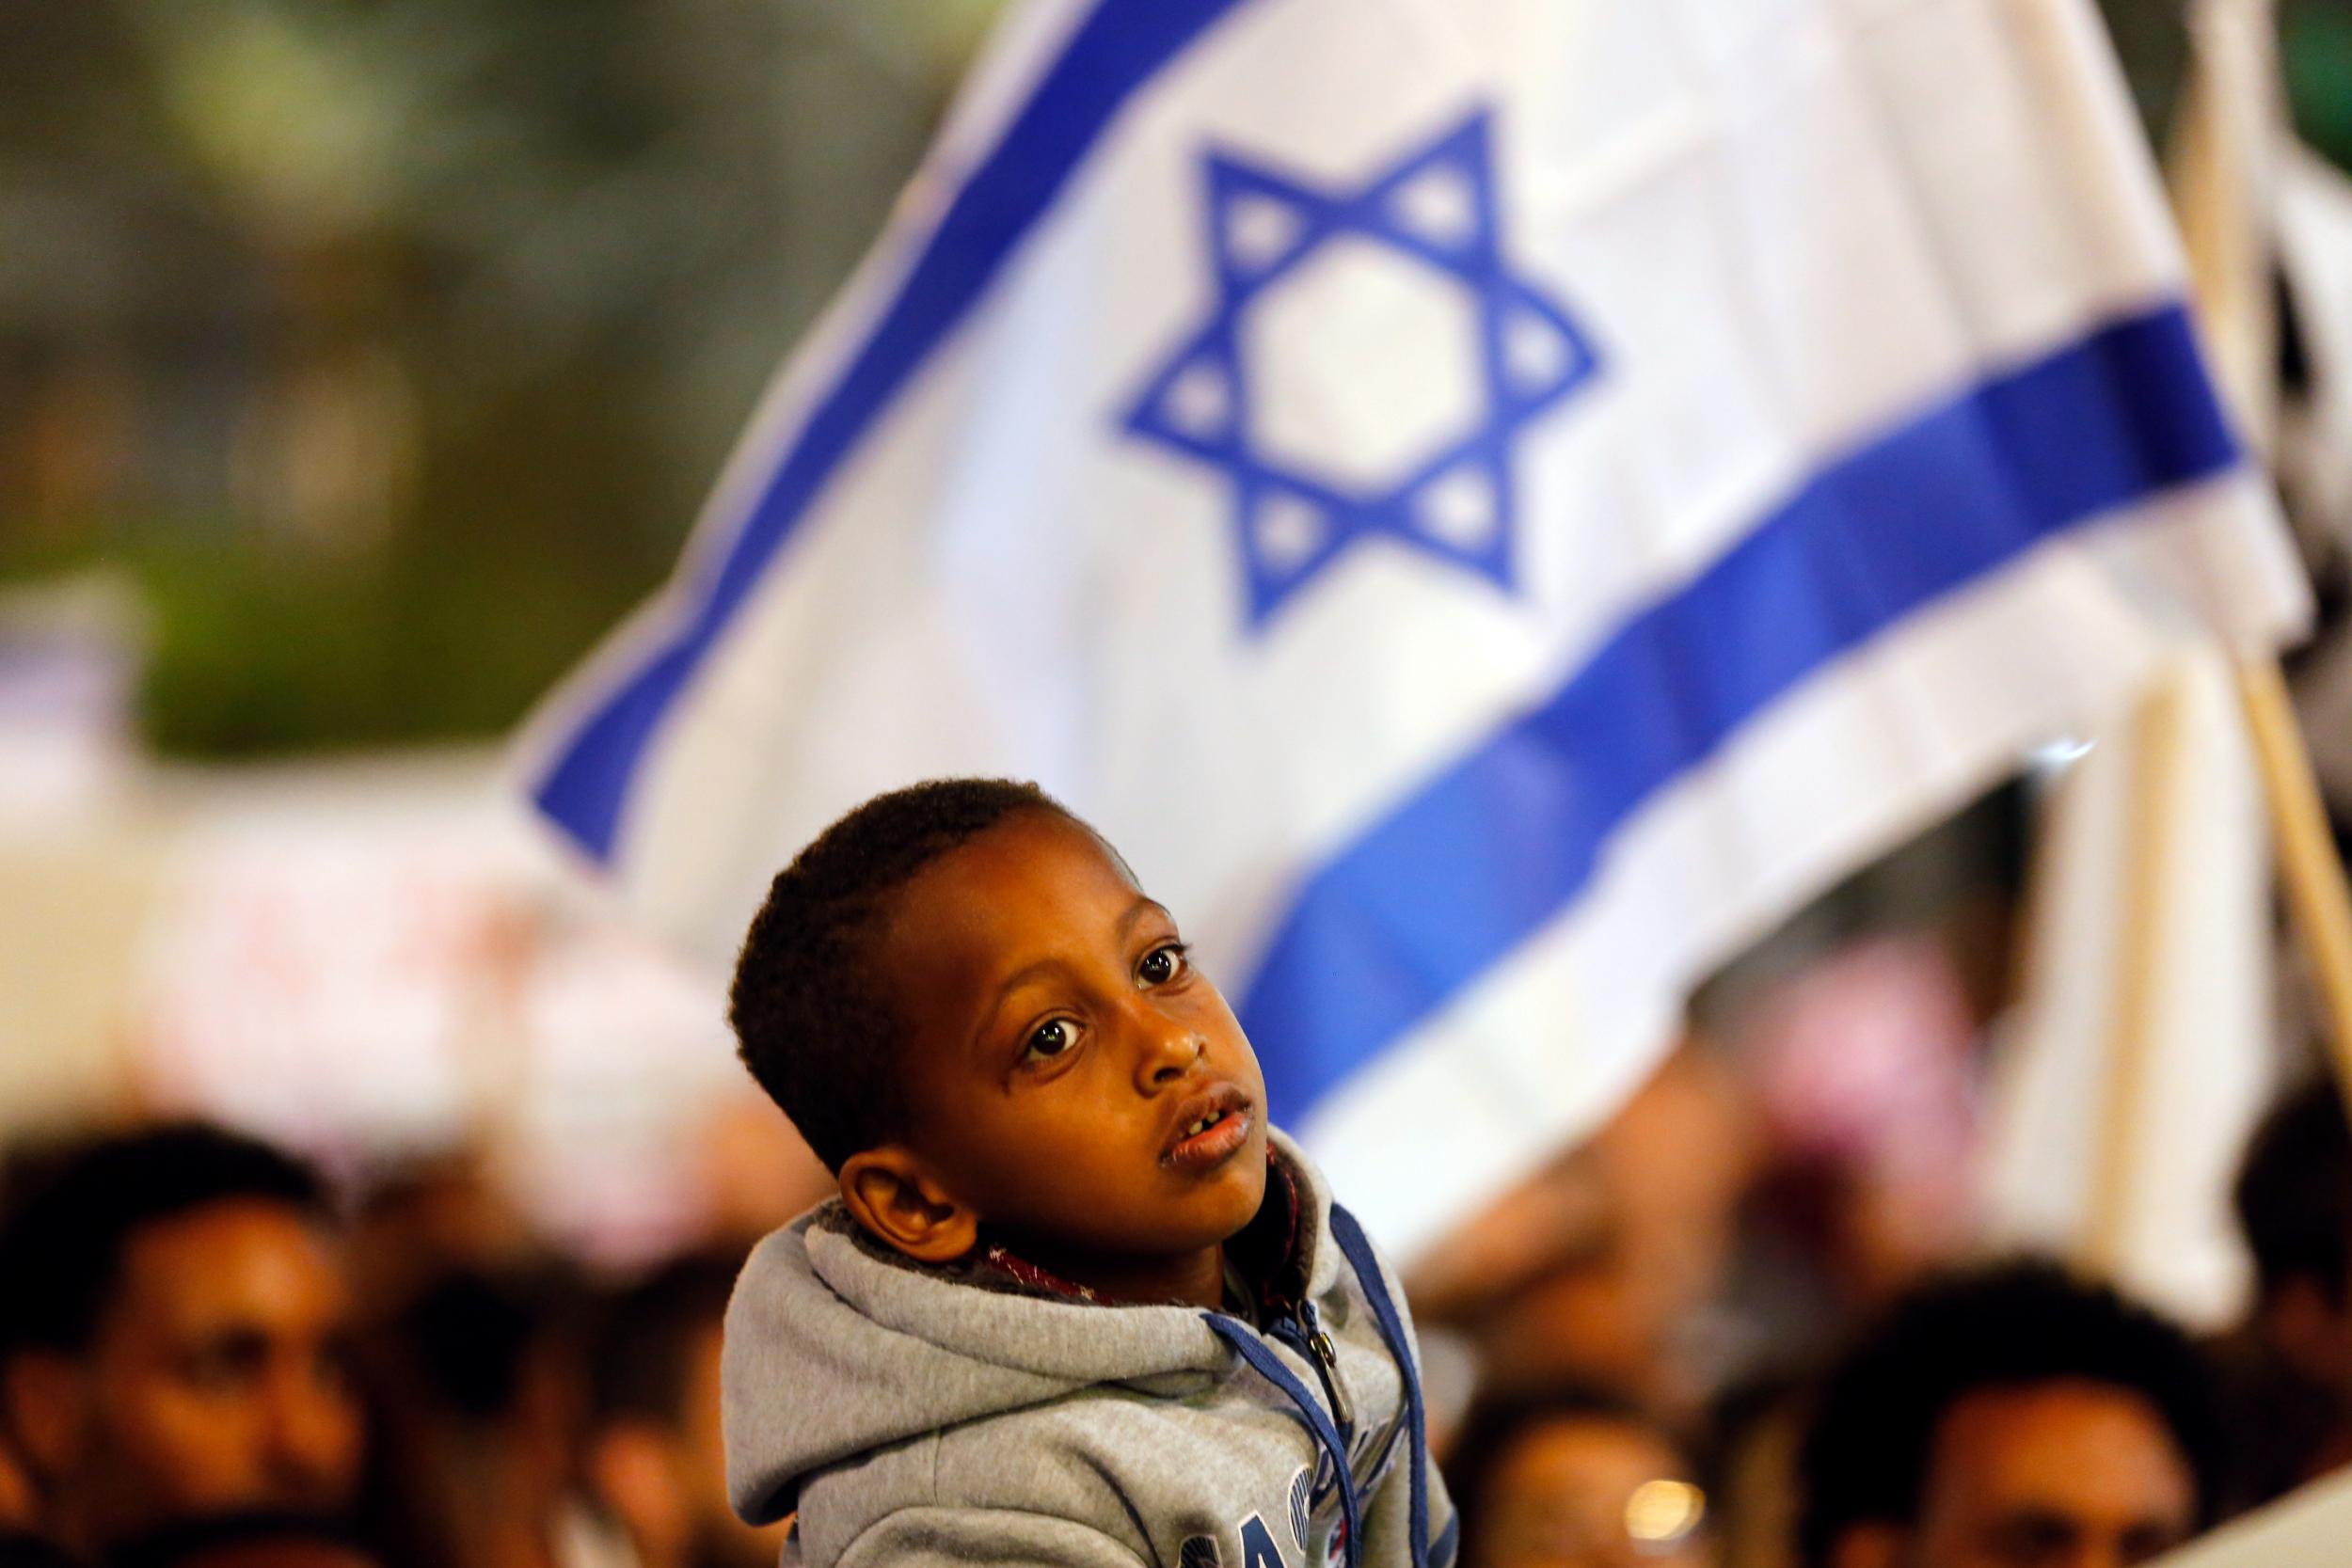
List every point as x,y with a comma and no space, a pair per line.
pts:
900,1204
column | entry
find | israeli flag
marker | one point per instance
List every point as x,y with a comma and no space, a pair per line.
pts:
1487,502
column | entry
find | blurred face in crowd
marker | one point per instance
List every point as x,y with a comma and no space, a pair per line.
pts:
214,1381
668,1485
2066,1474
437,1216
1075,1086
1589,1492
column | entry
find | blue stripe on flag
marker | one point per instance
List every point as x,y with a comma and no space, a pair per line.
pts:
1489,852
1119,47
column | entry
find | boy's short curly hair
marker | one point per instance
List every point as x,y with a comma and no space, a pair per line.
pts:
812,1019
1865,1455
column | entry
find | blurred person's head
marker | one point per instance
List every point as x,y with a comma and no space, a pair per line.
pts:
427,1216
478,1381
2010,1417
1863,1076
2294,1200
1563,1477
248,1539
655,1459
755,1171
19,1510
173,1335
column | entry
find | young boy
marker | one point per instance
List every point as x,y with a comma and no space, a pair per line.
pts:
1075,1304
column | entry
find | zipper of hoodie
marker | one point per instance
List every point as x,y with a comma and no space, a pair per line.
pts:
1330,1447
1307,1333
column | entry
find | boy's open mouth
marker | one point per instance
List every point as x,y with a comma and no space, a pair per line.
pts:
1211,1127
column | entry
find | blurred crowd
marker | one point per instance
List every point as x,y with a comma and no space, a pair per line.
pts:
208,1351
1666,1392
1752,1322
212,1357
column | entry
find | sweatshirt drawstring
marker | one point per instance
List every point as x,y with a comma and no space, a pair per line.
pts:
1268,1365
1357,1249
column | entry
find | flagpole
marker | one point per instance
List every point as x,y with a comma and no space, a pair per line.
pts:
2218,171
2153,729
2220,166
2224,153
2319,901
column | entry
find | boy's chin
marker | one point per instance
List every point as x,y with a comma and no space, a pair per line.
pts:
1208,1217
1225,1210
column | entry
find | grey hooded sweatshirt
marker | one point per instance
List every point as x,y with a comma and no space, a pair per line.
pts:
917,1416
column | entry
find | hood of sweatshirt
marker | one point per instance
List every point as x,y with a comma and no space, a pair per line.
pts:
836,1346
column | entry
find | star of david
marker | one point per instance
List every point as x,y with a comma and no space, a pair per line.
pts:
1423,238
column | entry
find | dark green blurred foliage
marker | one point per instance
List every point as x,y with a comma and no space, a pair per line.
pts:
2318,67
2315,57
391,345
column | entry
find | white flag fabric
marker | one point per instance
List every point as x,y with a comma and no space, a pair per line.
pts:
2140,1056
2306,1529
1487,502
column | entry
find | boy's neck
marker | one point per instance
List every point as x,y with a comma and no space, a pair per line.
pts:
1191,1279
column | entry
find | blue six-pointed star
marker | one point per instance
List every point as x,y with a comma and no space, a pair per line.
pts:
1452,498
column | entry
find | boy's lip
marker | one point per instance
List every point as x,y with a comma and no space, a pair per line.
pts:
1216,1144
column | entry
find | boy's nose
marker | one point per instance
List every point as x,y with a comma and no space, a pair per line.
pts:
1171,1049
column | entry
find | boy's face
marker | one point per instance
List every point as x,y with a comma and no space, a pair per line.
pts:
1062,1051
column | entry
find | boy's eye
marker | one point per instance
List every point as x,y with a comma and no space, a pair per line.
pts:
1163,963
1051,1038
